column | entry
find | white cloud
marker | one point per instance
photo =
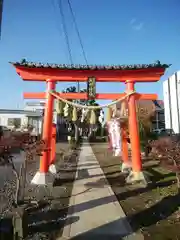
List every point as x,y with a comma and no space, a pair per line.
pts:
138,26
133,20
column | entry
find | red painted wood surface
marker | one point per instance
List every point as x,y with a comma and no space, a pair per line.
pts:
100,96
70,75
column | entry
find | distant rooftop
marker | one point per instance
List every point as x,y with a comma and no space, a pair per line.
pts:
17,111
32,104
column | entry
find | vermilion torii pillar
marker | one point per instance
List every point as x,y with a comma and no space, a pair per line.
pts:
53,73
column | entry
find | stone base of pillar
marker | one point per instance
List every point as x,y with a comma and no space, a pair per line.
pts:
137,177
52,169
126,167
41,178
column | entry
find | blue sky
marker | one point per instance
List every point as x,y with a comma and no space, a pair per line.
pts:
113,32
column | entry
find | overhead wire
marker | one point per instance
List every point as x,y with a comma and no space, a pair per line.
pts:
60,6
54,6
77,31
79,37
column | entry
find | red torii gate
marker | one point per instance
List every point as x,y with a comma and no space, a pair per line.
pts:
53,73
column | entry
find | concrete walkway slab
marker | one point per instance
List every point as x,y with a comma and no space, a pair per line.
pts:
94,203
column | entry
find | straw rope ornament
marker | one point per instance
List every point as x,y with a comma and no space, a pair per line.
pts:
124,110
92,117
101,116
70,108
59,105
113,124
84,114
77,105
66,110
74,114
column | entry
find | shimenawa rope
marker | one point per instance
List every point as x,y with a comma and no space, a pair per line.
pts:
77,105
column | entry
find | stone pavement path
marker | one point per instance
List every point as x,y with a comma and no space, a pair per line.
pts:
93,202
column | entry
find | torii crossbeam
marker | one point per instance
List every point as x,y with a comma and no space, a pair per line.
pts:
53,73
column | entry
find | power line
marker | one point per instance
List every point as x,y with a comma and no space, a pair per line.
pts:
65,30
58,27
60,6
79,37
77,31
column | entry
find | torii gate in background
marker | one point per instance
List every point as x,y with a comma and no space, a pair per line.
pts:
53,73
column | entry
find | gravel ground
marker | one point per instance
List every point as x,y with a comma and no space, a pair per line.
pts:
46,222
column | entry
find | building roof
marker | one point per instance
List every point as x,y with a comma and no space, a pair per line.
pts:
35,104
16,111
25,63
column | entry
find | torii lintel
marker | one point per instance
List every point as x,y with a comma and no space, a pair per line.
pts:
84,96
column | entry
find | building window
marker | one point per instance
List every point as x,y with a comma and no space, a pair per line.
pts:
30,121
16,122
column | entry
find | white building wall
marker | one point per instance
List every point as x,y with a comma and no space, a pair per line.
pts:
171,91
174,103
35,121
167,112
37,106
33,108
5,116
178,95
